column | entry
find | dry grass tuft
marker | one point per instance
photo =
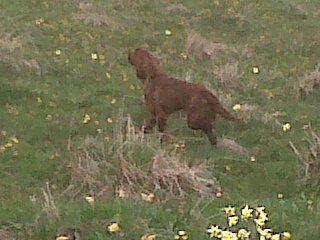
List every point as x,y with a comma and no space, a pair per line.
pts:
232,145
49,205
6,234
228,76
308,82
177,9
202,47
91,14
310,158
10,54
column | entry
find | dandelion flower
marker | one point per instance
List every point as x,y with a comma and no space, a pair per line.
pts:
184,56
113,227
228,168
113,101
58,52
182,234
109,120
214,231
246,212
243,234
233,220
39,100
230,210
39,21
99,131
252,159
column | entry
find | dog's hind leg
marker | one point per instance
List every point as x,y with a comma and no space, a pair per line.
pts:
211,136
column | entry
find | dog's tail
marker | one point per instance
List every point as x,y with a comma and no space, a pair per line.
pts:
219,109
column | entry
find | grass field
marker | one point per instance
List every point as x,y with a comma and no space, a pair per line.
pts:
61,60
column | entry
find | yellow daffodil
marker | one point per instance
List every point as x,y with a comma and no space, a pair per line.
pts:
86,119
214,231
233,220
167,32
236,107
275,237
286,235
89,199
243,234
286,127
148,197
113,227
246,212
255,70
230,210
148,237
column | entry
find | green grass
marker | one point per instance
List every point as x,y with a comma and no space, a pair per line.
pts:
282,40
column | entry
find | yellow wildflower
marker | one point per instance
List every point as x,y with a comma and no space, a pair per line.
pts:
246,212
236,107
214,231
227,235
286,127
114,227
167,32
230,210
58,52
287,235
86,119
243,234
148,197
275,237
255,70
148,237
62,238
14,140
89,199
94,56
233,220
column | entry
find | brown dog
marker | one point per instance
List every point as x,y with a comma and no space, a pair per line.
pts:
165,95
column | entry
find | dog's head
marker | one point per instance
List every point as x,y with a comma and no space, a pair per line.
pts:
145,63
